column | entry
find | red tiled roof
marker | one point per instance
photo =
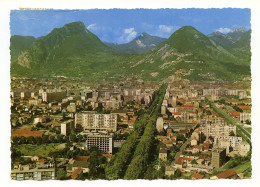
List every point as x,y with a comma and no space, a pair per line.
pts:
202,157
180,160
235,113
226,174
76,173
38,155
176,113
232,101
197,176
245,107
108,155
43,160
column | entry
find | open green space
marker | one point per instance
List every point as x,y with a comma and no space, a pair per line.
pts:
243,167
31,149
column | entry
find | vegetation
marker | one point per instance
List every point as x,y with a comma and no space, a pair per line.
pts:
242,132
96,164
33,149
61,174
73,51
117,167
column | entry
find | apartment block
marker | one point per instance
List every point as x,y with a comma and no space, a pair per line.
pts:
218,157
103,142
93,121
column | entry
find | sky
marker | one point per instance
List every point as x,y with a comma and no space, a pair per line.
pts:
123,25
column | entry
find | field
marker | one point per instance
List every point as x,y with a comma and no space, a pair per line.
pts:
43,149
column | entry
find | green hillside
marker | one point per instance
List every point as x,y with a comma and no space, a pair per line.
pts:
19,44
190,50
73,51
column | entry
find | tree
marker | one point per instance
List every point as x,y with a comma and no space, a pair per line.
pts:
248,122
61,174
177,173
52,139
60,138
231,133
194,162
80,138
96,162
39,125
22,140
38,140
236,108
45,139
15,140
31,140
208,112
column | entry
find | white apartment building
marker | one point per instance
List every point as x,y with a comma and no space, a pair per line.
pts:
217,130
245,116
93,121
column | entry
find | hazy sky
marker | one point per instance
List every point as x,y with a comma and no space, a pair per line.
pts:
122,25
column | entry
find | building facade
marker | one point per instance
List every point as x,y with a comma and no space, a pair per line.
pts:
218,157
103,142
93,121
66,127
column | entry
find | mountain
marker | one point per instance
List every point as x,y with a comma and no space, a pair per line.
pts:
19,44
193,54
73,51
228,39
70,51
242,47
237,33
140,44
221,38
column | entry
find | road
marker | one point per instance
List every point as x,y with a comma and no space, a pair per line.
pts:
182,148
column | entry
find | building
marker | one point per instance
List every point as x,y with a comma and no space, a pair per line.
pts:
38,173
53,96
218,157
228,174
163,153
245,116
234,141
93,121
159,124
243,148
218,130
66,127
103,142
197,176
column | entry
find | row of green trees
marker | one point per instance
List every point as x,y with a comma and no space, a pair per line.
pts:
142,156
116,168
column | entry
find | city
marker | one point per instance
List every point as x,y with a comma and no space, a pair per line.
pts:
93,99
133,129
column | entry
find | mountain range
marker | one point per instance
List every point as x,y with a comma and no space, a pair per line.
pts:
74,51
140,44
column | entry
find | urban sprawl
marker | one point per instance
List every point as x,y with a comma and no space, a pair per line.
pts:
74,129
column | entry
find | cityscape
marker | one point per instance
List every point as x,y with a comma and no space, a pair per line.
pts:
174,104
